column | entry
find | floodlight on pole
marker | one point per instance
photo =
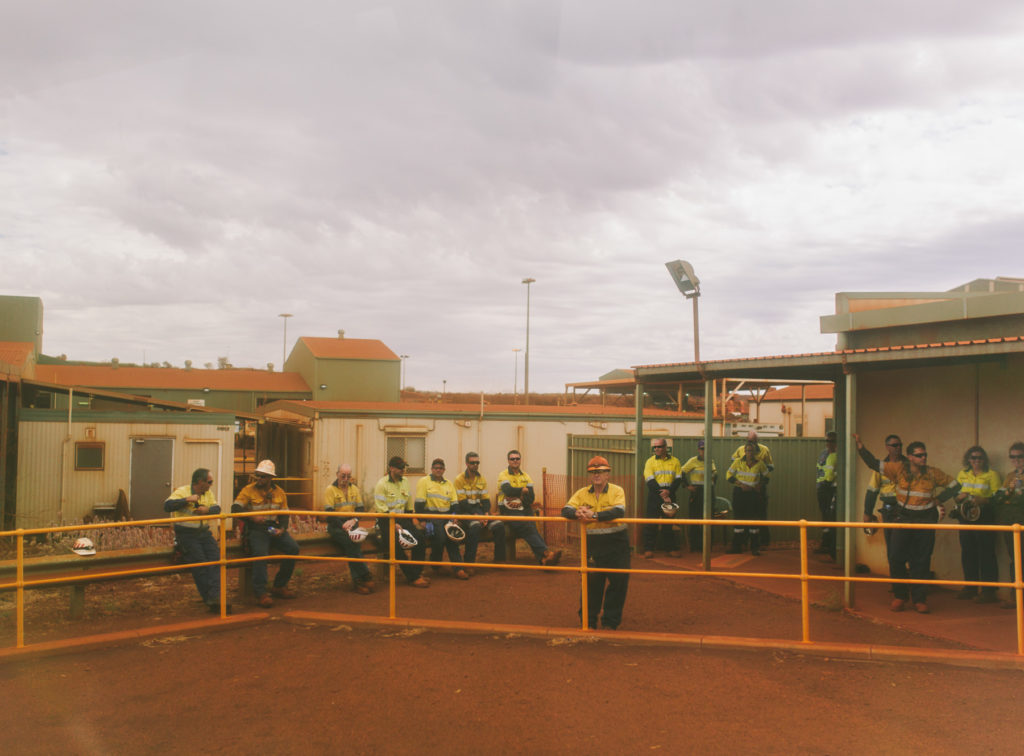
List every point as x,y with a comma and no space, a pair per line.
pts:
284,338
526,361
689,286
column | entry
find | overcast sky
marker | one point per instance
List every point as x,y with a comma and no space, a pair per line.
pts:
175,175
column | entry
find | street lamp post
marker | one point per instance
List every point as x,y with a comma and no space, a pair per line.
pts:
515,376
526,361
403,357
284,338
689,285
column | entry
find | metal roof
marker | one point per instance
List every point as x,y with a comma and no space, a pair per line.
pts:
829,366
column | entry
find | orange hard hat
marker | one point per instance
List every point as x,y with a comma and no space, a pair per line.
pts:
597,464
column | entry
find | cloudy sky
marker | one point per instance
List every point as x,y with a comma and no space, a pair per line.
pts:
175,175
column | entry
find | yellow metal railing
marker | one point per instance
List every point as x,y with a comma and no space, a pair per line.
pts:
803,576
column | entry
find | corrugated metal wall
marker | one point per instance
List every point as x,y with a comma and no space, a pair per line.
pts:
790,494
45,467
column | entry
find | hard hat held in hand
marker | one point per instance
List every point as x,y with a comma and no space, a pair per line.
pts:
454,531
670,508
406,539
358,535
514,503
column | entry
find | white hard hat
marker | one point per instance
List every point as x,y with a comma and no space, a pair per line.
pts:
84,547
455,531
670,508
514,503
267,468
406,539
358,534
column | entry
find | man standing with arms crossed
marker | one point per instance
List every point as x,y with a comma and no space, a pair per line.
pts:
515,500
598,506
471,488
663,474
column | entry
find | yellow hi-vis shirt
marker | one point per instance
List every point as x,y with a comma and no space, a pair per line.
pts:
519,480
981,486
694,470
389,496
347,499
763,455
664,471
915,491
612,496
741,473
439,495
473,491
206,500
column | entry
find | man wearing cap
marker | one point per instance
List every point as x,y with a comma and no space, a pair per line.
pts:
194,537
343,495
471,488
663,475
391,494
515,500
435,494
267,533
693,479
825,488
597,506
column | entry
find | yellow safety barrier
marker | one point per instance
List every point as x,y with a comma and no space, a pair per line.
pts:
804,575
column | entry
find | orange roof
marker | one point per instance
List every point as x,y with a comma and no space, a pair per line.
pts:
348,349
489,409
816,391
230,379
15,353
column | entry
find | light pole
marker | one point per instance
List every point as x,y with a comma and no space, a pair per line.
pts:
515,376
689,285
526,361
284,339
403,357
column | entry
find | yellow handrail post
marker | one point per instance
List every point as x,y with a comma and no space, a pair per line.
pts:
392,567
1017,585
223,566
805,608
584,598
19,538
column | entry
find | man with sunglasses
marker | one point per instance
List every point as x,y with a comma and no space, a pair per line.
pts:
471,488
881,487
515,500
663,475
917,503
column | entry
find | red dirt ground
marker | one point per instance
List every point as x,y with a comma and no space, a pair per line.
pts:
284,687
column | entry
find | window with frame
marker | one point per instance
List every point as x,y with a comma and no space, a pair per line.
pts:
89,455
413,449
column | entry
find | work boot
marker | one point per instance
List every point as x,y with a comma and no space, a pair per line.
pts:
551,558
285,593
265,601
967,593
420,582
755,544
897,605
461,574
